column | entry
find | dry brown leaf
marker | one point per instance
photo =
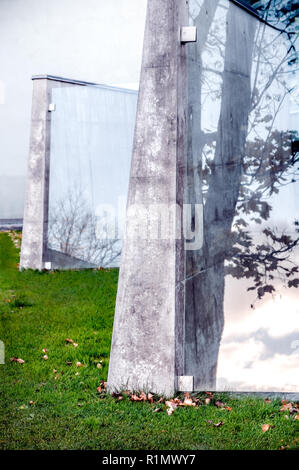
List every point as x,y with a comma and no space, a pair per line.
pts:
286,406
17,359
219,404
143,396
189,402
135,398
150,398
172,404
265,427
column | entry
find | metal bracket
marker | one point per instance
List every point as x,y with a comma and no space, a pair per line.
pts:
48,265
188,34
52,107
185,383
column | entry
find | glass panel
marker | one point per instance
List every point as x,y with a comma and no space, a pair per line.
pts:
242,317
91,144
281,14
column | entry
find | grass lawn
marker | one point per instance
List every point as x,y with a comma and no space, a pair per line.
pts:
40,311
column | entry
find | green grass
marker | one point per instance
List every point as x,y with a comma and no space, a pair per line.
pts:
41,310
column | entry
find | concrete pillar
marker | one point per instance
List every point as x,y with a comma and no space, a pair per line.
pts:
147,350
35,221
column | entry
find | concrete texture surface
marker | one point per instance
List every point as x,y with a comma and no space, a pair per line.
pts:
36,201
147,345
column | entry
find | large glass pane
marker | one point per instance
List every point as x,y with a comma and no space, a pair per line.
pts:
242,318
90,153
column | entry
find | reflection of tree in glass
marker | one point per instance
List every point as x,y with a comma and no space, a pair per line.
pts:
239,69
74,231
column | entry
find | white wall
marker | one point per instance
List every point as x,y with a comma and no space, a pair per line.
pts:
92,40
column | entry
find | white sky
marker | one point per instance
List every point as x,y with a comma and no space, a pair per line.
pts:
92,40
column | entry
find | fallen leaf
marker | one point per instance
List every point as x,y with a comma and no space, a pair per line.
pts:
79,364
172,405
75,345
296,417
17,359
207,401
68,340
31,403
286,406
189,402
218,425
45,357
267,400
54,371
45,350
143,396
135,398
150,397
157,410
265,427
219,404
69,363
99,389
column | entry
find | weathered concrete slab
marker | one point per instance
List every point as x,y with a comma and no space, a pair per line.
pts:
147,344
36,201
